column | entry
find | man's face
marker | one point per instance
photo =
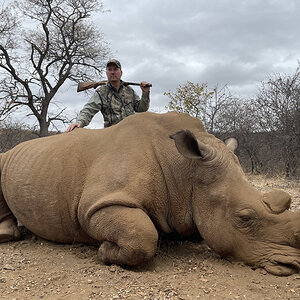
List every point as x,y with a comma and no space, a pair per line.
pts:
113,73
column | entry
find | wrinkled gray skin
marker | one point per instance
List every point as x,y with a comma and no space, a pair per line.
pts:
118,187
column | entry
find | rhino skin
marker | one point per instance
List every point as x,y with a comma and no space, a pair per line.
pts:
122,186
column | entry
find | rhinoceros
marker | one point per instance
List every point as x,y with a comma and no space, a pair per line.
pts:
123,186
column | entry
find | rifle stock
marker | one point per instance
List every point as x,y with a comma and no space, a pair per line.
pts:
82,86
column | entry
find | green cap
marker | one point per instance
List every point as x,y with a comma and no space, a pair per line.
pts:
114,61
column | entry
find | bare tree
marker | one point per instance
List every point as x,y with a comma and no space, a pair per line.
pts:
238,120
216,107
278,104
43,44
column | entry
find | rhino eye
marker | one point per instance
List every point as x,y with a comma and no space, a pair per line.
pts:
245,218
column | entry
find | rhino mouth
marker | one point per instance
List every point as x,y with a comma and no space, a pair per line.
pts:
282,265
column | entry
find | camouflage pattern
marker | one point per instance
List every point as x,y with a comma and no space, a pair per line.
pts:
114,105
114,61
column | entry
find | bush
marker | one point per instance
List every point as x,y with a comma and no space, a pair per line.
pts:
12,134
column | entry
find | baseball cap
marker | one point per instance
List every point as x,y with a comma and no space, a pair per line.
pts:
114,61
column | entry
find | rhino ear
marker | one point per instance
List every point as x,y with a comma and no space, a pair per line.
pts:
278,201
231,143
188,146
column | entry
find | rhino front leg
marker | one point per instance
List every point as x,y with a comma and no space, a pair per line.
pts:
127,234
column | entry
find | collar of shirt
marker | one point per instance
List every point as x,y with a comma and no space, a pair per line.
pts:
113,88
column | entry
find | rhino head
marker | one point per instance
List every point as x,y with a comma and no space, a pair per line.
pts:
236,220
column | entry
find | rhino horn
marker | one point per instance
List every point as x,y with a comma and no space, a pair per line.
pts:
278,201
187,145
231,143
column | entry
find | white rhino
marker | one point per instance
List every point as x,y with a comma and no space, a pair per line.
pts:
121,186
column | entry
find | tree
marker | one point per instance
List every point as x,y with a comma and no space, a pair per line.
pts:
216,107
222,114
238,120
199,102
189,98
58,43
278,104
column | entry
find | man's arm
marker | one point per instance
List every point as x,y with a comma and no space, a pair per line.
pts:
143,103
89,110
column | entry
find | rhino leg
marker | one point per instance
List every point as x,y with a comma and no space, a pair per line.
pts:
127,234
8,225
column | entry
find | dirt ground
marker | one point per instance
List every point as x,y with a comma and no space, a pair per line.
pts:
37,269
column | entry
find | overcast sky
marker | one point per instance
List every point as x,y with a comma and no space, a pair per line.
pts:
167,43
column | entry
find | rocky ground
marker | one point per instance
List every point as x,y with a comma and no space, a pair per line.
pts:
36,269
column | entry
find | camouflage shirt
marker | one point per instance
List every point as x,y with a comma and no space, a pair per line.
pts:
114,105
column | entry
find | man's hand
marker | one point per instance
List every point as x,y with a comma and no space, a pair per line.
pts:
73,126
144,86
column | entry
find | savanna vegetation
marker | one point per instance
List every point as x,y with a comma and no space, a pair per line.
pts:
266,126
60,44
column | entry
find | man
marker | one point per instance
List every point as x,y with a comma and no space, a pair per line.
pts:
114,100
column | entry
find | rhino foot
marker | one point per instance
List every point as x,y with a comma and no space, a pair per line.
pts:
110,253
9,232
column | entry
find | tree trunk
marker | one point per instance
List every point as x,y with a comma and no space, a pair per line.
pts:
43,128
251,161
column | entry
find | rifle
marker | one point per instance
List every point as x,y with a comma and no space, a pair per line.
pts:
82,86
